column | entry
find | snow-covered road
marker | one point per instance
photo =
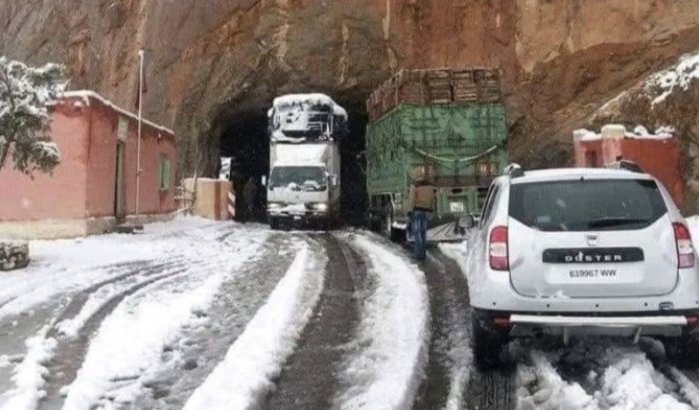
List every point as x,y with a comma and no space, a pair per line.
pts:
194,314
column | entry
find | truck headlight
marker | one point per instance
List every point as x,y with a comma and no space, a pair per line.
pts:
320,207
273,206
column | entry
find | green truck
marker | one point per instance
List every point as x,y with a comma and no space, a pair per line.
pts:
448,122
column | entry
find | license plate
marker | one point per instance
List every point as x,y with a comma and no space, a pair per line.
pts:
456,206
582,274
297,217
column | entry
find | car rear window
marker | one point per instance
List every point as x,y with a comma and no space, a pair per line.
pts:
587,204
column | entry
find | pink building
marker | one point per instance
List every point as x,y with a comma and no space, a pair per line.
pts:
94,187
658,155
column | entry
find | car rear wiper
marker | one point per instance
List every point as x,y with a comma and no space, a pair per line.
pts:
614,221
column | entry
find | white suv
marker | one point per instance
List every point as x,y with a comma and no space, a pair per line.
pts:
582,251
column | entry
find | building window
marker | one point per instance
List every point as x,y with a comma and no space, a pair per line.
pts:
164,167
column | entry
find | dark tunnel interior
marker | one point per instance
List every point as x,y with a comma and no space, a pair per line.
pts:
244,138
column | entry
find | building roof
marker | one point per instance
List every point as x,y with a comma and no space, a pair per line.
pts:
87,94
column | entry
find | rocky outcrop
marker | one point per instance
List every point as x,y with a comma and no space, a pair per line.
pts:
213,60
13,255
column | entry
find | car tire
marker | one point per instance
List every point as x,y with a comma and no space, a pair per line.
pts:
487,343
683,352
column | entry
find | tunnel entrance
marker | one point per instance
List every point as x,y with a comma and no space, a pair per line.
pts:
244,140
243,137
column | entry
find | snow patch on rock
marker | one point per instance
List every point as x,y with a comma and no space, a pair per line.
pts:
680,76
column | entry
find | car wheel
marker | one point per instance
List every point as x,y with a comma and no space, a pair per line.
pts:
683,352
487,343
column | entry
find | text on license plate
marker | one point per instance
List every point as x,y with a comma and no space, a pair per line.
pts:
592,273
456,206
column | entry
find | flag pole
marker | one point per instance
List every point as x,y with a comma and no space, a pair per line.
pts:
140,125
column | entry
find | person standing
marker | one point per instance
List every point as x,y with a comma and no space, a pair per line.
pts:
421,204
250,196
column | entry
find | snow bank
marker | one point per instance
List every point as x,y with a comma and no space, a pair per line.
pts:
622,377
632,383
259,353
394,333
680,76
28,376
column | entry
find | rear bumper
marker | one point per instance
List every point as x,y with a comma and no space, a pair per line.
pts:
493,290
668,324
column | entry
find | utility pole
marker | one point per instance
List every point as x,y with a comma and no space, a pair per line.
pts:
141,54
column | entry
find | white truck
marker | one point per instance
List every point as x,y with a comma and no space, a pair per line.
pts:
303,188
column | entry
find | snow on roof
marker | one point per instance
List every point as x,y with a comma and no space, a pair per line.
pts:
616,130
87,94
291,100
681,75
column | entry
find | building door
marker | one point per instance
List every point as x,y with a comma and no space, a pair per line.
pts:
119,182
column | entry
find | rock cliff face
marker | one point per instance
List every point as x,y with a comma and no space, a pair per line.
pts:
214,62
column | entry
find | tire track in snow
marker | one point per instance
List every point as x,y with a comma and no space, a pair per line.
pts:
70,350
256,358
385,369
326,337
449,353
188,361
117,365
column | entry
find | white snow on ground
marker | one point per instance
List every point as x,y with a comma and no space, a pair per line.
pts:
28,376
626,378
541,387
393,334
130,341
64,266
689,390
631,382
257,356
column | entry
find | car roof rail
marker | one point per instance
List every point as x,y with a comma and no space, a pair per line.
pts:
513,170
625,164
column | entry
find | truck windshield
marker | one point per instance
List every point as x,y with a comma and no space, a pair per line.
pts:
299,178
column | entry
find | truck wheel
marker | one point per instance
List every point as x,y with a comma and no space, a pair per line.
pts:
395,235
387,222
487,343
274,224
683,352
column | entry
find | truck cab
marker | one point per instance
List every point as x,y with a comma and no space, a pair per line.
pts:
303,187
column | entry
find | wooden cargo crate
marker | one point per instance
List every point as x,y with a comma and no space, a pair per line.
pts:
434,86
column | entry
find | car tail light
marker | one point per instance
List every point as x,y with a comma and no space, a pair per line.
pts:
685,249
499,259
